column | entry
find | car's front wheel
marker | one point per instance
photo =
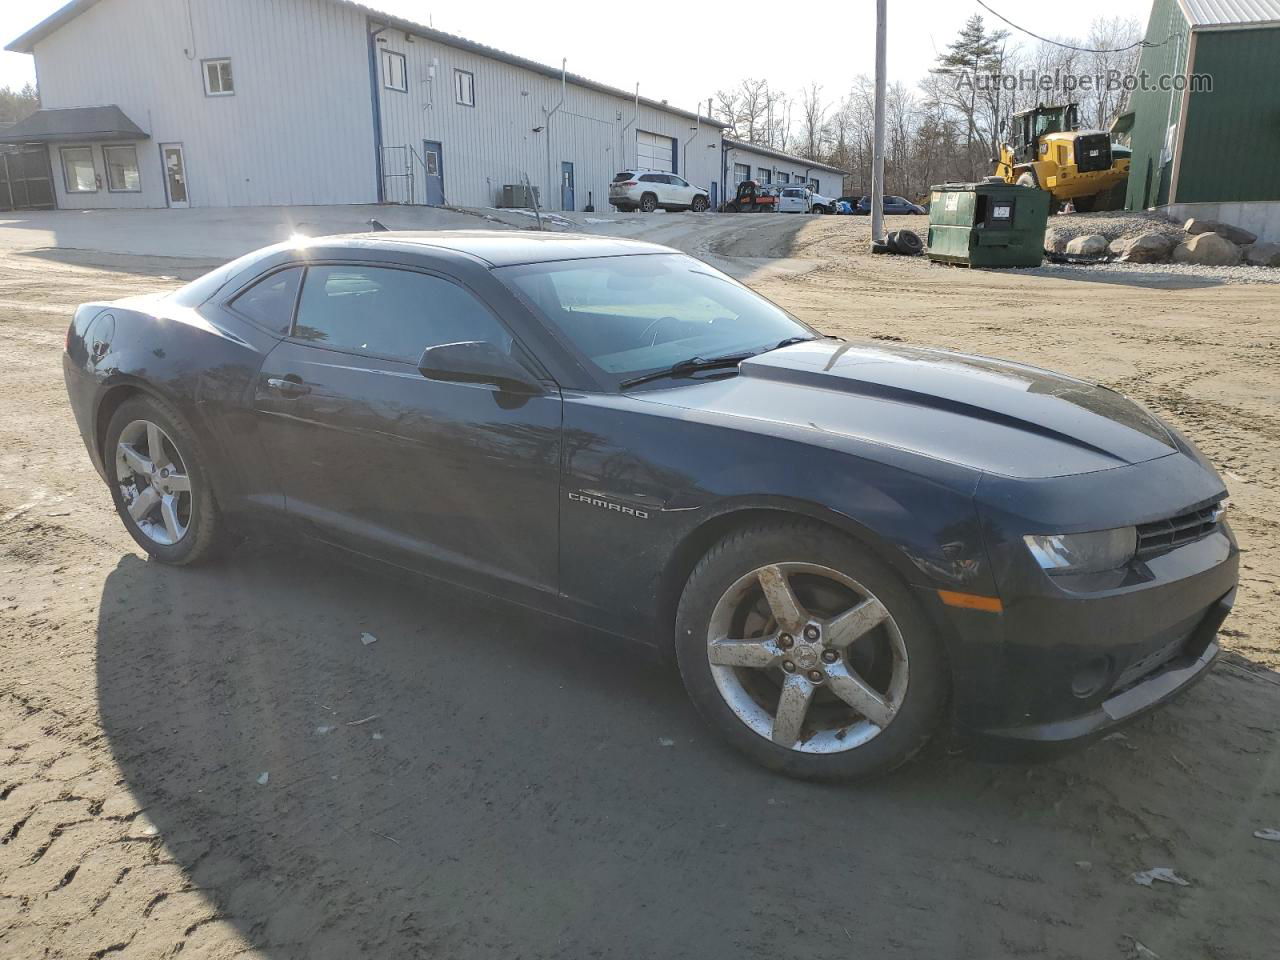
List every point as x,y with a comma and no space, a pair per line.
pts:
809,655
699,204
160,489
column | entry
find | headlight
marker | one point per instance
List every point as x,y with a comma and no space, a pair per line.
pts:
1084,552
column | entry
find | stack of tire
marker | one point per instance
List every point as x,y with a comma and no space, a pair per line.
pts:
906,243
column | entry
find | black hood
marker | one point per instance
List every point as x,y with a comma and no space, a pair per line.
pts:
992,415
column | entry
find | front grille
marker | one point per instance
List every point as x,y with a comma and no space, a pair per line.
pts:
1093,152
1162,536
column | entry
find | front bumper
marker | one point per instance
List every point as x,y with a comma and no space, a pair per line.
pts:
1194,659
1057,667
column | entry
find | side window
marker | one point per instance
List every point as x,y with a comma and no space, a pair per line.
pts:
650,178
464,87
394,313
395,72
217,78
269,302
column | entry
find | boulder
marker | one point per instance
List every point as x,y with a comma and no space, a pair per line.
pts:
1207,250
1263,254
1091,245
1056,240
1144,248
1195,226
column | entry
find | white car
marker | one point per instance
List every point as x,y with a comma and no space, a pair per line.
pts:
649,190
801,199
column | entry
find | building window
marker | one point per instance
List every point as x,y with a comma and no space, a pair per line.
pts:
78,174
764,175
784,178
395,73
813,185
122,169
741,171
217,78
464,88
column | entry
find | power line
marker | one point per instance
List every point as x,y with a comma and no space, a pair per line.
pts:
1067,46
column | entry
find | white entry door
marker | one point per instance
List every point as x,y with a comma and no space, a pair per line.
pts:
175,174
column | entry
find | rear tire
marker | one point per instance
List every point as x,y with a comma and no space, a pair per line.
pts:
159,485
886,657
648,203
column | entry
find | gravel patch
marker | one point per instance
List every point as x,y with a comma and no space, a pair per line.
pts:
1156,274
1113,224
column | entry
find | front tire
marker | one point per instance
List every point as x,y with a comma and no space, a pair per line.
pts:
809,655
699,204
158,483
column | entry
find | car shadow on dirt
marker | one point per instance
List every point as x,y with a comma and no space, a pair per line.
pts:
483,781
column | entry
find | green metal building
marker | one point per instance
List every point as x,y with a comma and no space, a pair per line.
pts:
1205,120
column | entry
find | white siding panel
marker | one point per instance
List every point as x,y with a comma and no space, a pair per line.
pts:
498,141
299,129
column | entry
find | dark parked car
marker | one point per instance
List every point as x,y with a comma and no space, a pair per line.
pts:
893,206
843,545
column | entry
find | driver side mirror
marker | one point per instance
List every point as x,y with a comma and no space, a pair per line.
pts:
477,361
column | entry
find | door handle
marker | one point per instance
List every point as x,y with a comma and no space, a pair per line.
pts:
290,388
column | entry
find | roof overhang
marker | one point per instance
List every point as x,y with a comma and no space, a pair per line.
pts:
74,124
731,144
1230,14
64,14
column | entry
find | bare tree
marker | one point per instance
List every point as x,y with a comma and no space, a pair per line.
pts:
813,116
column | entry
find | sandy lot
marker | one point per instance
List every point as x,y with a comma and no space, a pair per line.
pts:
550,794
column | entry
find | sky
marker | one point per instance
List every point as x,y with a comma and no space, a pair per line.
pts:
689,53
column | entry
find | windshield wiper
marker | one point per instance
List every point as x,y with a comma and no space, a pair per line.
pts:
790,340
686,367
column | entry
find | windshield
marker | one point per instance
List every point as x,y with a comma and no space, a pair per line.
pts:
634,315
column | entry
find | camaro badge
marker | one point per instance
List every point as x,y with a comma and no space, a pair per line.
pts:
607,505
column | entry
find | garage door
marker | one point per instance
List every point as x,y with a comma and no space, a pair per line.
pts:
655,152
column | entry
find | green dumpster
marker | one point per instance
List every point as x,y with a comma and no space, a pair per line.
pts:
987,224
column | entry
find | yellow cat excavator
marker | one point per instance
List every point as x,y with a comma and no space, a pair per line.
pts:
1047,149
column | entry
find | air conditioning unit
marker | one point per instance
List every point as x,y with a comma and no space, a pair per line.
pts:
518,195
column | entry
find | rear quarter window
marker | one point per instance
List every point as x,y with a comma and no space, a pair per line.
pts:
269,302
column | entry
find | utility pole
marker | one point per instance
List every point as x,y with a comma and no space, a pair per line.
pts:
877,154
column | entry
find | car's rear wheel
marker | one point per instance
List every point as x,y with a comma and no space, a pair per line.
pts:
160,489
648,203
699,204
809,655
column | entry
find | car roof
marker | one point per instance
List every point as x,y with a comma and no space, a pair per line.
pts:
497,248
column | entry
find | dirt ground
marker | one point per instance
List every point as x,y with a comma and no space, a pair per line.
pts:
210,763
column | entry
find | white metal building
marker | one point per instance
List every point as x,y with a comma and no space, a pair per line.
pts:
747,161
218,103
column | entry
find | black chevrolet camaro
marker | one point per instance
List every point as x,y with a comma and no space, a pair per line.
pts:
844,546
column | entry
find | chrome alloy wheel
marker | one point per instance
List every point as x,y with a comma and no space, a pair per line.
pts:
153,482
807,657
